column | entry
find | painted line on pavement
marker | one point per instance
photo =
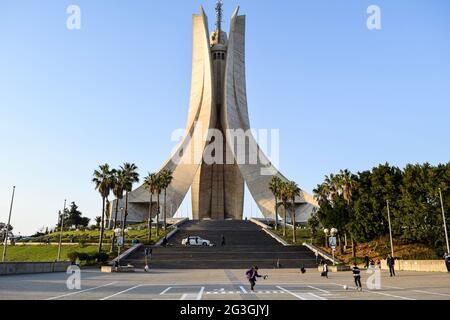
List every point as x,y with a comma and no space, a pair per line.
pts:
200,294
119,293
321,290
432,293
243,290
77,292
316,296
291,293
421,291
165,291
389,295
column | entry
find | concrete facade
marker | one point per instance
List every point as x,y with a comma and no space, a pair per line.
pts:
218,101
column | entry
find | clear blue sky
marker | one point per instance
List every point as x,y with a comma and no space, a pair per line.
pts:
343,96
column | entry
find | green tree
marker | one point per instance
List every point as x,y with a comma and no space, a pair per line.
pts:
284,196
293,191
118,187
151,184
131,176
166,178
103,183
274,187
73,217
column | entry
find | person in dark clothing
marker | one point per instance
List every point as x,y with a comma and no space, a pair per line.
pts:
391,263
357,276
222,243
252,274
366,262
164,242
447,261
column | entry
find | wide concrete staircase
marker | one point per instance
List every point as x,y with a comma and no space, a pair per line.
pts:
246,245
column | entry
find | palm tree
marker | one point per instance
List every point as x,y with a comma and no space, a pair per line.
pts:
158,188
103,184
346,181
118,189
284,199
150,183
274,186
166,180
130,177
293,191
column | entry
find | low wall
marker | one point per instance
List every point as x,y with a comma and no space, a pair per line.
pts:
260,223
276,237
417,265
125,254
9,268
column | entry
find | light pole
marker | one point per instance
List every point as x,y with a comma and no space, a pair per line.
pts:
119,233
333,233
61,216
390,228
5,245
445,223
326,231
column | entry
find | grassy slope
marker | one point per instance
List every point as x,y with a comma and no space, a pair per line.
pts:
302,235
377,249
92,236
42,253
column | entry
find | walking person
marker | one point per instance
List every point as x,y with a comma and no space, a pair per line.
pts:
357,276
366,261
148,257
447,261
252,274
222,243
391,263
325,270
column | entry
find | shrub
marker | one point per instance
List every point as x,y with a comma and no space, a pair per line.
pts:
73,256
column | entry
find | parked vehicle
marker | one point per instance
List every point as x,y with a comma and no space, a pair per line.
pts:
196,241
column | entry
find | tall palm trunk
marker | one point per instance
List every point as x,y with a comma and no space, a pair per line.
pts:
100,243
294,235
276,213
115,225
125,217
285,219
165,215
150,219
157,217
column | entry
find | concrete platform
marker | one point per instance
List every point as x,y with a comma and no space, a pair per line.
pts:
285,284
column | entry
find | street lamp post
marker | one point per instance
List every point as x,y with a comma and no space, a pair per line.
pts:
326,231
61,216
445,223
390,228
333,233
5,245
119,233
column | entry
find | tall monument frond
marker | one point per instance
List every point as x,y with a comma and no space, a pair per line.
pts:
219,17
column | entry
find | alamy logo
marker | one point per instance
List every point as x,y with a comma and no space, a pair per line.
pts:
229,147
74,280
374,280
74,20
374,20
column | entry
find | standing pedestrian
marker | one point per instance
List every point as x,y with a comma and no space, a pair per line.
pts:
447,261
391,263
357,276
317,257
325,270
366,261
222,243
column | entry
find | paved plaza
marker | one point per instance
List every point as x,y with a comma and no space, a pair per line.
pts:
282,284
